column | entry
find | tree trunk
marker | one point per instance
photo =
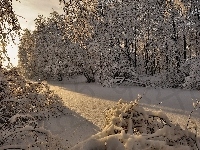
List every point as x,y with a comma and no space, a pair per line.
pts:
89,77
135,53
184,45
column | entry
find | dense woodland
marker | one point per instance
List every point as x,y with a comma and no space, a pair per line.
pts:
107,39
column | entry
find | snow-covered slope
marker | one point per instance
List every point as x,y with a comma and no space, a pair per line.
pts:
170,98
88,102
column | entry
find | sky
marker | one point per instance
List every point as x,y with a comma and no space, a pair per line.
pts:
28,10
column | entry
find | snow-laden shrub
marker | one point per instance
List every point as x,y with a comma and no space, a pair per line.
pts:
192,81
172,79
22,104
21,96
107,74
128,126
23,132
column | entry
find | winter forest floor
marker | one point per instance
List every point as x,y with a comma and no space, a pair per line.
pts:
85,103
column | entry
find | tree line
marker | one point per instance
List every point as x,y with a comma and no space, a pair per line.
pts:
106,39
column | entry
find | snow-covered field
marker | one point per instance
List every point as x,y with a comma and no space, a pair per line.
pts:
86,102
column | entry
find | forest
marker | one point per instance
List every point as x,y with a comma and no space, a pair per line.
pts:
108,39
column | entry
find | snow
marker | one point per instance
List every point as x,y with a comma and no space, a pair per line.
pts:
96,117
178,100
85,104
117,135
14,118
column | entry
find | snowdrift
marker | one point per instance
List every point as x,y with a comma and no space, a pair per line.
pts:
128,126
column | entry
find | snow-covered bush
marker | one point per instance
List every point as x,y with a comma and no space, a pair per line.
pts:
23,132
108,72
128,126
173,78
25,96
22,104
192,81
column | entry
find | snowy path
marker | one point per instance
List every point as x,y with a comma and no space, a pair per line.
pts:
88,101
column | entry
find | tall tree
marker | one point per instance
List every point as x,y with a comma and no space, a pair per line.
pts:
25,54
9,27
79,19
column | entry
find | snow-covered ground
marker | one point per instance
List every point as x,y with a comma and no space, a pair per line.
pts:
85,103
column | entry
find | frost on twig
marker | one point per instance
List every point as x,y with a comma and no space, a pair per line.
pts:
196,105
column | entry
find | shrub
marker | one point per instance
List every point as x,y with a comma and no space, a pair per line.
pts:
129,126
22,104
